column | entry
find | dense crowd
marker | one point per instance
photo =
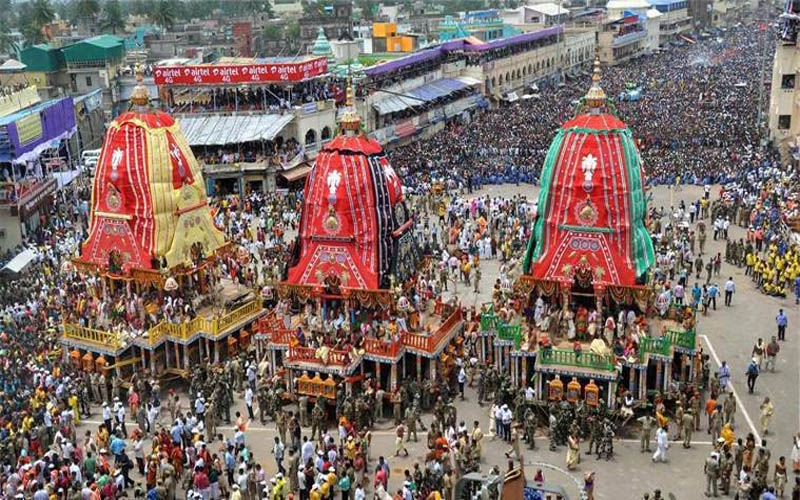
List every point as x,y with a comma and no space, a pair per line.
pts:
715,82
272,98
43,399
278,153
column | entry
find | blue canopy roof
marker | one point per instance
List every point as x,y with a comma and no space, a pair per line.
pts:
423,94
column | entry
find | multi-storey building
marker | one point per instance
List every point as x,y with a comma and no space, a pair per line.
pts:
784,109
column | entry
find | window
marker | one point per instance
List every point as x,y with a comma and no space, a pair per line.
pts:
88,81
787,82
784,122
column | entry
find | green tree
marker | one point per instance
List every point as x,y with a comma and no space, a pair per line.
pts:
112,19
273,32
32,34
33,16
164,14
7,43
293,34
42,13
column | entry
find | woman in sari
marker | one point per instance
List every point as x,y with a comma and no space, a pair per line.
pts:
573,451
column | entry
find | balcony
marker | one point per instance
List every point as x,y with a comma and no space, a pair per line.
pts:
488,321
684,340
28,194
511,334
583,360
379,350
430,345
234,168
102,341
331,361
654,347
182,333
627,39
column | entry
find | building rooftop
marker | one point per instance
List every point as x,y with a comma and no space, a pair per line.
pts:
97,48
42,57
627,4
548,9
11,66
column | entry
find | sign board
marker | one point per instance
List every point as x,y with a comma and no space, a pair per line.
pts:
33,200
29,128
234,74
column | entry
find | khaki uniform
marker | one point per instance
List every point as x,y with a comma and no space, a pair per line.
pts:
688,427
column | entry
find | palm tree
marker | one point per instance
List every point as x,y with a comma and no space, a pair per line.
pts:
163,14
32,34
32,18
112,19
42,13
7,43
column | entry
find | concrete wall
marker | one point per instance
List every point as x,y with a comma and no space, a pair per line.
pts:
318,121
514,72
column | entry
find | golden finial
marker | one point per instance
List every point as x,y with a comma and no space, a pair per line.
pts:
140,96
350,120
349,93
596,97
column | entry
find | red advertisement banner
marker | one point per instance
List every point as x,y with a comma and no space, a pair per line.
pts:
232,74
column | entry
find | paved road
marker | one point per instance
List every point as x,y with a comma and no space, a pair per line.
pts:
729,333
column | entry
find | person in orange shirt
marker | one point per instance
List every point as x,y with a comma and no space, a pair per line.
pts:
711,405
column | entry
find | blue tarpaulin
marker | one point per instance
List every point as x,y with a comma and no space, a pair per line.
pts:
423,94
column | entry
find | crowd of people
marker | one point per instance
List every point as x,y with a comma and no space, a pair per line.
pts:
272,98
175,448
279,153
717,79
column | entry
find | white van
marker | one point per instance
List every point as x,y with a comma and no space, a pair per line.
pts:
89,159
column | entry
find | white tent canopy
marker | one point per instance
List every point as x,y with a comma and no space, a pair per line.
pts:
220,130
21,260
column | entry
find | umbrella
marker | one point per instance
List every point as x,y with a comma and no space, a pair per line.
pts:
67,266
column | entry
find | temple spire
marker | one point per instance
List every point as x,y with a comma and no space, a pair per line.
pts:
350,122
596,97
140,96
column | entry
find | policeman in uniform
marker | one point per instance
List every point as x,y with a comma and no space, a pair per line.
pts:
688,422
711,470
647,422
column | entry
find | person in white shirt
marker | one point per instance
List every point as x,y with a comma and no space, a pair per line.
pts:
730,289
248,401
462,379
301,481
498,420
507,417
360,494
662,443
307,450
529,393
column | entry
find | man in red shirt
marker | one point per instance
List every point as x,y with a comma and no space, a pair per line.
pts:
201,483
380,478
